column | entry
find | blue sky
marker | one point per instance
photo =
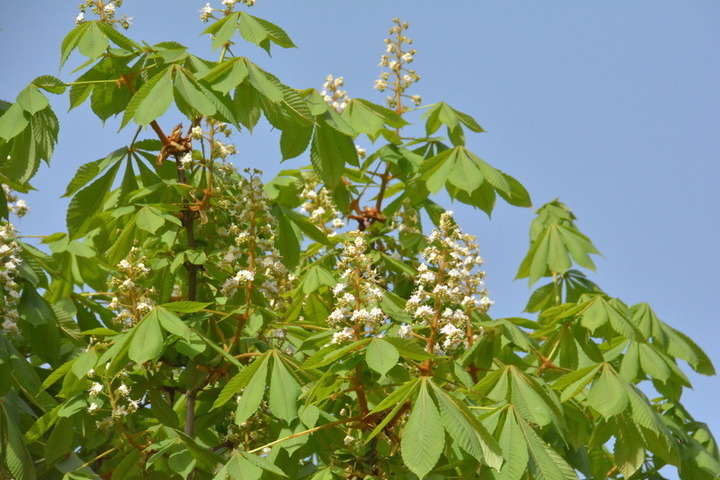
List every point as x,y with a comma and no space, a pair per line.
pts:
611,106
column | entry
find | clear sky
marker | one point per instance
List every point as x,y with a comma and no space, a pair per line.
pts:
613,107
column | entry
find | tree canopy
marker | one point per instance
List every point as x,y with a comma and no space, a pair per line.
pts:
332,322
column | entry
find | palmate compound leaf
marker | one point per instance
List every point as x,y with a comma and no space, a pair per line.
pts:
532,401
88,202
670,340
240,381
551,251
465,429
423,438
544,462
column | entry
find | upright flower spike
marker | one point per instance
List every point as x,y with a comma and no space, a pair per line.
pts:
9,262
333,94
449,287
15,205
107,11
358,295
253,258
131,300
398,78
320,207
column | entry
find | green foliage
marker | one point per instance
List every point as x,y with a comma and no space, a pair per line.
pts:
194,322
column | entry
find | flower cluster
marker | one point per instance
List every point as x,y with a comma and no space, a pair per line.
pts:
112,391
15,205
253,257
449,287
396,59
333,94
9,262
207,11
106,11
358,295
320,207
131,299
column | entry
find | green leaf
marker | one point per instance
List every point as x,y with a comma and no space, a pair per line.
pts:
238,382
629,449
423,438
192,94
88,202
312,232
222,30
607,395
284,392
151,100
86,172
71,40
93,43
545,463
172,323
551,250
329,151
147,339
270,31
32,100
239,468
262,82
13,451
253,394
574,382
369,118
315,277
13,121
182,463
514,448
227,75
381,356
149,219
185,306
469,433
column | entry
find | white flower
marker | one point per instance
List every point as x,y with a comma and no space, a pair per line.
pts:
349,440
245,276
95,389
78,19
405,331
338,223
91,373
124,264
336,316
119,411
338,289
424,312
92,407
196,132
186,160
345,335
229,3
407,57
122,390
